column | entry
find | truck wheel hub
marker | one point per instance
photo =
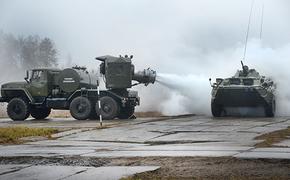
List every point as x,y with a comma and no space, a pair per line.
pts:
106,108
17,109
81,108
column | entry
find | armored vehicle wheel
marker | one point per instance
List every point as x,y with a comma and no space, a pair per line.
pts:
80,108
109,108
216,110
40,113
126,112
270,109
18,109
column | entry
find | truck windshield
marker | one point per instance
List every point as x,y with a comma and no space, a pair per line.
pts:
37,75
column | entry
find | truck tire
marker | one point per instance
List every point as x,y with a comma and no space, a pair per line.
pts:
80,108
40,113
18,109
109,108
126,112
216,110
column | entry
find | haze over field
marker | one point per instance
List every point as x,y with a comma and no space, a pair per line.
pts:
186,41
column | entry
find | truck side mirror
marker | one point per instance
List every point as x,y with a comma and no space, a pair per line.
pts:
27,77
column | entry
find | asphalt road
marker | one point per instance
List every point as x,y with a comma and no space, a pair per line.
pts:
186,136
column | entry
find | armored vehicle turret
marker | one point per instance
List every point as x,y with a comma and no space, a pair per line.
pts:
247,88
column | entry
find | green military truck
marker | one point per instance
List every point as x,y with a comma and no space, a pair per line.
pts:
77,90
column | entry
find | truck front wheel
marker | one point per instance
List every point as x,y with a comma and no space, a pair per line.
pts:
109,108
80,108
18,109
40,113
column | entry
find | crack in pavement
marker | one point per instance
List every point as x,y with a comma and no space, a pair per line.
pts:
15,170
154,143
55,161
79,172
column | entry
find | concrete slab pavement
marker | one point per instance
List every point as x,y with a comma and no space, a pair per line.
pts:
28,172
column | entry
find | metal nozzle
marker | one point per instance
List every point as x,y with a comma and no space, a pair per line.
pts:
146,76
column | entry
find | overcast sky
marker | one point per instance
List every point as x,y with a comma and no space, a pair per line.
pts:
154,31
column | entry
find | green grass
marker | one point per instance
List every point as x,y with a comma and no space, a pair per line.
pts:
12,135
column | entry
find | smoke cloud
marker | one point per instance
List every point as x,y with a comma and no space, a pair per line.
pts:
186,42
191,93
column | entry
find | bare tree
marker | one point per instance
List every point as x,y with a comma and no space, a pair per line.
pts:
27,52
47,53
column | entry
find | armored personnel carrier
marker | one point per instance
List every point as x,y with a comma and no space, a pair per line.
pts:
77,90
247,88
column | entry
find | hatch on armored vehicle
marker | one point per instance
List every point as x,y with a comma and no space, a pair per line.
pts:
247,88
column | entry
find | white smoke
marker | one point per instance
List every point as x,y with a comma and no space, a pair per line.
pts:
191,93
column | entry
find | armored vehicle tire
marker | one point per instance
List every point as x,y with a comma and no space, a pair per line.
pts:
18,109
216,110
126,112
40,113
109,108
270,109
80,108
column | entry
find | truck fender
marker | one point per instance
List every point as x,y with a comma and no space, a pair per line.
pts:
17,92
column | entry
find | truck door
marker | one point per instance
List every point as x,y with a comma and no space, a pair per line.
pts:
38,85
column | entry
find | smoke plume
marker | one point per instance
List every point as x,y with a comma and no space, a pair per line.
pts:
190,93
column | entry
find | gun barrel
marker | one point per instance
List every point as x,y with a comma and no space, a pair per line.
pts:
146,76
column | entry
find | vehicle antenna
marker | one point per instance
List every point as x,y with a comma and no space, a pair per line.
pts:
248,29
262,21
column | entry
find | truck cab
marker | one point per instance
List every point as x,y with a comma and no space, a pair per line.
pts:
40,83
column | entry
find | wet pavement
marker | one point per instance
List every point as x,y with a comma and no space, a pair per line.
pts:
188,136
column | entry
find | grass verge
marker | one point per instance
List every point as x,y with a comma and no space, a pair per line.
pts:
12,135
272,138
148,114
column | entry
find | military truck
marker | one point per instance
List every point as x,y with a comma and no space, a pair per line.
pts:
77,90
247,88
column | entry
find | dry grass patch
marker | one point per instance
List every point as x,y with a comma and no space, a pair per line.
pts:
60,114
12,135
272,138
148,114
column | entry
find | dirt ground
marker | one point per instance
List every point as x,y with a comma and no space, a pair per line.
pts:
173,168
212,168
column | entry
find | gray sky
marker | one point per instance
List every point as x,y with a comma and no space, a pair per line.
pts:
155,31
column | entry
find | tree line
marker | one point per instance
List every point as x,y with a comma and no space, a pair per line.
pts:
26,52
